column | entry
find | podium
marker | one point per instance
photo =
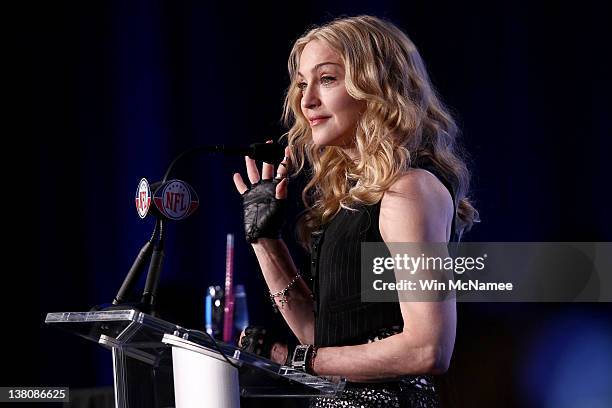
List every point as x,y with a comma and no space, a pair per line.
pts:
158,364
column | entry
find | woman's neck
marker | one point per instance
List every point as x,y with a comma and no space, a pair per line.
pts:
351,151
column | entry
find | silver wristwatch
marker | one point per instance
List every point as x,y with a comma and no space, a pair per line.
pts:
300,356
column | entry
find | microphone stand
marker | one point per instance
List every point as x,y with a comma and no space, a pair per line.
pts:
153,249
157,258
137,268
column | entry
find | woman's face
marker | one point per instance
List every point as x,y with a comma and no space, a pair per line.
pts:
330,110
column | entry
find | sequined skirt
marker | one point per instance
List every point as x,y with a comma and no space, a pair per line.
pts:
411,391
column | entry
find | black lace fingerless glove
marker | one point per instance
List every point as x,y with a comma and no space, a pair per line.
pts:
264,214
256,341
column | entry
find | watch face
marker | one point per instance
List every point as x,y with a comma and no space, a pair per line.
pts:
299,354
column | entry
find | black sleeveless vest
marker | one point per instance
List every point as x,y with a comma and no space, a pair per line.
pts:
341,318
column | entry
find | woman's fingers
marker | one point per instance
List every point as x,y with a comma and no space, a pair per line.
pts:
252,171
267,170
281,189
279,353
287,159
281,173
283,167
239,183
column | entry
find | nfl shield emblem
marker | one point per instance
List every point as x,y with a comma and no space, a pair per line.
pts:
176,200
143,198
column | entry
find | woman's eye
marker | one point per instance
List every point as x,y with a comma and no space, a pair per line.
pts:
326,80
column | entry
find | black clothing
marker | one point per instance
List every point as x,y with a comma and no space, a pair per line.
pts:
342,319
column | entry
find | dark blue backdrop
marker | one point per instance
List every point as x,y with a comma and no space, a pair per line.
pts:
116,89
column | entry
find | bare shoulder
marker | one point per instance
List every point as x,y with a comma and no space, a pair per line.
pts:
417,207
418,184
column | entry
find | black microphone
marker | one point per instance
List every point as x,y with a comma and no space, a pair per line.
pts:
267,152
149,296
272,153
134,273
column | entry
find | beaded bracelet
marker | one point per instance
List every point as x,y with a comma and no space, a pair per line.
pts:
283,293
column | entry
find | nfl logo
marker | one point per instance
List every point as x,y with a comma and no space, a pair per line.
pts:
143,198
176,200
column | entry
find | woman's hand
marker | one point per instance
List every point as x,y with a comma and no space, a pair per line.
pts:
265,201
255,339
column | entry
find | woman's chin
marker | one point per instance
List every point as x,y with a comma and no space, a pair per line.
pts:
321,140
326,140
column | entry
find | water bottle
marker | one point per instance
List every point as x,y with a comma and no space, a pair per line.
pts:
241,311
213,311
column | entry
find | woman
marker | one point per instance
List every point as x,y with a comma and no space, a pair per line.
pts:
365,118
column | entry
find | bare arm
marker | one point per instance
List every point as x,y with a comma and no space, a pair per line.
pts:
278,271
417,209
277,265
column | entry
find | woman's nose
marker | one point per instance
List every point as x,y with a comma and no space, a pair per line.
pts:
310,98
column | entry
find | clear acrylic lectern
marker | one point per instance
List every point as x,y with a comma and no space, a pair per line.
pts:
159,364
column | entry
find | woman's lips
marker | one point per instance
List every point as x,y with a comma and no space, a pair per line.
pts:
318,120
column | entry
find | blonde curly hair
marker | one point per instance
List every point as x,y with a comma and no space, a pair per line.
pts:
404,123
